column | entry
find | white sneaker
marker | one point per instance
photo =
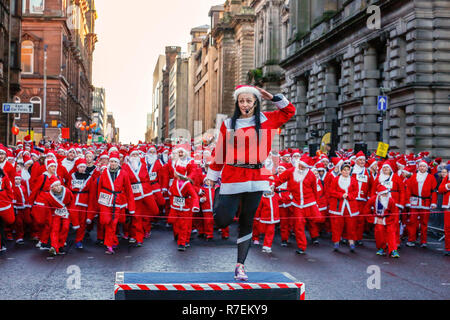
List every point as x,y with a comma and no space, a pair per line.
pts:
132,240
2,249
239,273
38,245
194,231
256,242
266,250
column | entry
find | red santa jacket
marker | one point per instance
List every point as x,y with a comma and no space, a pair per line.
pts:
444,188
242,146
268,211
183,196
376,213
59,206
395,186
421,195
207,198
40,187
322,199
82,190
337,203
140,181
117,194
304,193
365,182
284,194
20,196
8,169
6,193
155,172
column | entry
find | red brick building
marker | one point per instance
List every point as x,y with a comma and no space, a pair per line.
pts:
65,30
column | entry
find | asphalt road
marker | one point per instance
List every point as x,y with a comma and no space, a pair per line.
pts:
29,274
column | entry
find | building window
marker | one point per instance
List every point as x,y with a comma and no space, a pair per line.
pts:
37,6
27,57
37,103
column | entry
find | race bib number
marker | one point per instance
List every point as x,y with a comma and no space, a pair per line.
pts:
179,201
381,221
361,178
63,212
388,184
136,188
77,184
153,175
105,199
414,201
318,188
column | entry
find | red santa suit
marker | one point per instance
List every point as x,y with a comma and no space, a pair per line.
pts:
206,200
286,209
383,213
59,209
269,216
21,209
155,170
421,197
81,186
183,201
6,200
143,191
444,189
303,187
115,195
343,210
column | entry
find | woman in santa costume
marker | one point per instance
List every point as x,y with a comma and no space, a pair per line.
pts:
143,191
444,189
183,202
383,213
343,207
421,197
7,216
115,195
269,215
244,143
81,185
286,209
58,200
302,184
21,208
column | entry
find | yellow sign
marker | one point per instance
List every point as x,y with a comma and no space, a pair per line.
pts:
325,140
382,149
54,123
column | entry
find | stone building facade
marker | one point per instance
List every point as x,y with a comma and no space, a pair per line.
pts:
66,30
337,64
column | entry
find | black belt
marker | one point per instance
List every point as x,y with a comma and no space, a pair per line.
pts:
152,183
248,166
424,198
115,193
80,192
136,183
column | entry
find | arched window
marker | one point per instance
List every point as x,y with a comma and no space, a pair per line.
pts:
37,104
27,57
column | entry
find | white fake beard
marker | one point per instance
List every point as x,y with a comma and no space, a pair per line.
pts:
152,158
165,157
421,176
299,175
384,200
134,162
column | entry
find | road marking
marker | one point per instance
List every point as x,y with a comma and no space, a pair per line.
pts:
127,256
50,258
11,258
91,257
445,284
423,264
386,262
312,260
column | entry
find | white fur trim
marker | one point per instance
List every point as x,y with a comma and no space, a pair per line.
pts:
213,175
283,103
247,89
248,186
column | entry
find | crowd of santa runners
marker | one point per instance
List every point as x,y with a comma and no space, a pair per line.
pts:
116,191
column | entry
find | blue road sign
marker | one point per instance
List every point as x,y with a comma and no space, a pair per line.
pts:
382,103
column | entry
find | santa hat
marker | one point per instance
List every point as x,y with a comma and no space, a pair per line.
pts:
360,155
371,162
246,89
181,171
391,164
381,189
54,181
50,162
18,175
186,148
27,160
296,152
104,155
150,148
3,149
337,161
80,162
305,161
284,153
320,166
422,161
114,156
136,151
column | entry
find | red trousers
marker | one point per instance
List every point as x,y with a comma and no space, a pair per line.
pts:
269,233
78,216
208,224
22,219
339,224
59,231
418,218
226,232
148,210
256,232
182,225
110,220
313,218
386,235
299,228
360,221
287,222
447,229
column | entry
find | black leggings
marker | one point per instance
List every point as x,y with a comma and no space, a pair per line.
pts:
225,209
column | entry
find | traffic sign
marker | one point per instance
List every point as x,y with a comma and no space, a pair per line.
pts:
382,103
17,108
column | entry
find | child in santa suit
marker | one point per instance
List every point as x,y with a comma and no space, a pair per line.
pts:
383,213
269,216
81,185
20,207
421,196
444,189
206,200
114,197
302,184
7,217
58,200
183,201
343,207
286,210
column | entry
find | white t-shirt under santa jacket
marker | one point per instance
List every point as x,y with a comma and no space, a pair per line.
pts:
421,191
245,149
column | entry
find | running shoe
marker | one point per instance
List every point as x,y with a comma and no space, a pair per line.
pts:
239,273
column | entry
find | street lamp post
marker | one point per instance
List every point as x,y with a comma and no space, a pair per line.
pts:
45,93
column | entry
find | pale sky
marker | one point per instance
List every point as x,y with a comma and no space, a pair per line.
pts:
131,36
